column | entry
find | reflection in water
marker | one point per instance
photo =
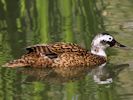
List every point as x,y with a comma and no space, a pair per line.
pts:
53,75
79,85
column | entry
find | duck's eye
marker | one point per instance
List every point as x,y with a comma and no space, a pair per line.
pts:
109,38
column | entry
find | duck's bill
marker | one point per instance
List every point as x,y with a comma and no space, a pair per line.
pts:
114,43
117,44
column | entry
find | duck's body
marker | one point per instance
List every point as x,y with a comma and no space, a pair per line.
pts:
66,54
58,55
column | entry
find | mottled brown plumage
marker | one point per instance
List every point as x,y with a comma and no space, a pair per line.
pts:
59,55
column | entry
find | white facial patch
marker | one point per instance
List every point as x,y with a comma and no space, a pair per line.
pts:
96,41
106,38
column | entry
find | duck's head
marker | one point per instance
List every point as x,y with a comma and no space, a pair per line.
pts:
103,41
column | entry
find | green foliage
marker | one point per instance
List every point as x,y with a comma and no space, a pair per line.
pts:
43,19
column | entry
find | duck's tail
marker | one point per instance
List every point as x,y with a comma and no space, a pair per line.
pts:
16,63
30,59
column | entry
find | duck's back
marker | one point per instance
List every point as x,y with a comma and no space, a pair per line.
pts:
57,48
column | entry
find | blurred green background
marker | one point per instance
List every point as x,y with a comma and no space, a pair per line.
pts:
28,22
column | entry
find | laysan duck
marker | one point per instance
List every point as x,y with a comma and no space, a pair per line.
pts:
67,54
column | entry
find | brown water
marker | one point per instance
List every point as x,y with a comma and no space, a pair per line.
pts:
24,23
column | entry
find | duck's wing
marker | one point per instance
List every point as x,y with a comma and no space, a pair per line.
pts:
53,50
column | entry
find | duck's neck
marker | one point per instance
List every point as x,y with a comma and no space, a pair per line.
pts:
98,51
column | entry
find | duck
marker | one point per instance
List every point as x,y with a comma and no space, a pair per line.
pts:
67,55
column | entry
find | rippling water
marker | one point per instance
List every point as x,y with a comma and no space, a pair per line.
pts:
24,23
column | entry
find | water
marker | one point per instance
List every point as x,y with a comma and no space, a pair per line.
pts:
24,23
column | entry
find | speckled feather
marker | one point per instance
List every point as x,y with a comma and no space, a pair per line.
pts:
57,55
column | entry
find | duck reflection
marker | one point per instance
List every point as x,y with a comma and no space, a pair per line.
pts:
54,75
104,75
107,73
